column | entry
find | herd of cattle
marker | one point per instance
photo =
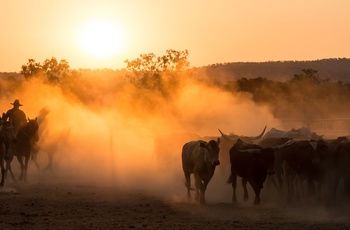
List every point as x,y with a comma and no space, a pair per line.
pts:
293,161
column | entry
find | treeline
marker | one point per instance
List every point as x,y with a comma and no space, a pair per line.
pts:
148,82
336,69
305,96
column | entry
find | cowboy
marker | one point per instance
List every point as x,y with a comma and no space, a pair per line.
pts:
16,116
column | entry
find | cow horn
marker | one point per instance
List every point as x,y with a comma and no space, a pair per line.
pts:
259,136
227,137
277,147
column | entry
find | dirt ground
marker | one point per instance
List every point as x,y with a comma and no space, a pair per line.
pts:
136,197
79,205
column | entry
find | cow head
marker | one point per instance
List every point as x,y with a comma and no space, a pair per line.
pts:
212,153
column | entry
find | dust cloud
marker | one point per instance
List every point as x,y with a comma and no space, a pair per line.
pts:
107,132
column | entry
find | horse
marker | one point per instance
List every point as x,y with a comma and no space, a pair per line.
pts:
7,139
27,136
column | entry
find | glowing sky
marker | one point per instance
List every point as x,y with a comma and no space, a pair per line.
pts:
213,31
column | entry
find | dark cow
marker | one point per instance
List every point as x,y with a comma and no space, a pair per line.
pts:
276,143
200,158
329,163
303,162
227,141
253,164
342,161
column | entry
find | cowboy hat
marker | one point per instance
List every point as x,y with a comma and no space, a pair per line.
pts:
16,102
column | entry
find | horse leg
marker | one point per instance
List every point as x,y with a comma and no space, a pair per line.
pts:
35,151
9,169
20,160
2,174
26,167
50,155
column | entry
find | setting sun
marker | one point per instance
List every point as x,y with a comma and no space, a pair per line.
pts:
101,39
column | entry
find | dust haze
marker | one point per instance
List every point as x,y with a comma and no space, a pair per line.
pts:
107,132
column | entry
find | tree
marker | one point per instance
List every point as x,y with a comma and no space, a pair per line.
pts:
55,70
157,73
51,70
31,69
308,76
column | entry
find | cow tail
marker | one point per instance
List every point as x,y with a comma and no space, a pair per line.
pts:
229,180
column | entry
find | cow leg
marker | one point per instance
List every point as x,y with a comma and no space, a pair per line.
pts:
280,181
245,194
188,184
311,187
233,180
257,195
289,182
198,184
347,186
257,188
333,186
202,189
271,179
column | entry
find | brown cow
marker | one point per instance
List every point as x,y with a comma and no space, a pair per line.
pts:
201,159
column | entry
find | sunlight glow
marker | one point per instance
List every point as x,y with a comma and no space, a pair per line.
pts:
101,39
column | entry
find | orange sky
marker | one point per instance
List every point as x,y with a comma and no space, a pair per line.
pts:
213,31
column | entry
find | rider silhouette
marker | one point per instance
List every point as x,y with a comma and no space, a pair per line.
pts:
16,116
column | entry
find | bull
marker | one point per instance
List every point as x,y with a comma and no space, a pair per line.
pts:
200,158
252,163
227,141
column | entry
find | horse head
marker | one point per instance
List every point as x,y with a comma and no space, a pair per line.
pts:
31,128
8,131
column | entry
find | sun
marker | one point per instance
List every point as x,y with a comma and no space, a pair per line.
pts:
101,39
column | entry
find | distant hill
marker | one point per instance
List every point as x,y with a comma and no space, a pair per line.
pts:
10,75
337,69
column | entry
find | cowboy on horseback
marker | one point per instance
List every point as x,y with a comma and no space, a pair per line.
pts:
16,116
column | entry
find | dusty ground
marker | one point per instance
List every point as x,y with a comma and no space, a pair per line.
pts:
142,198
82,206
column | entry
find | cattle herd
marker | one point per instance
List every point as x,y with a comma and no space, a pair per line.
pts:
298,163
